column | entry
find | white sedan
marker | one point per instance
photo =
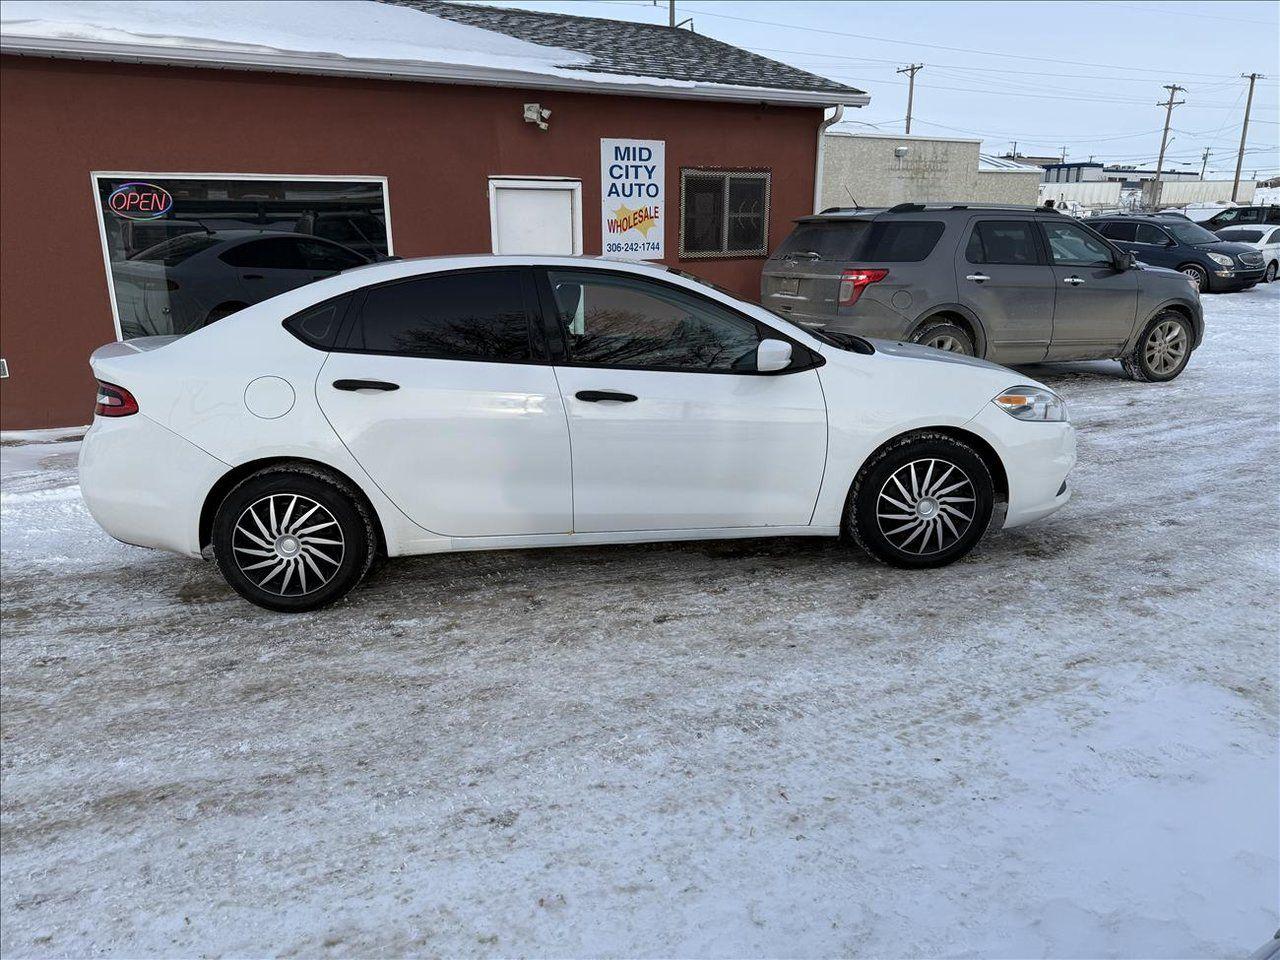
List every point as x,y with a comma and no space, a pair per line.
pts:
1262,237
481,403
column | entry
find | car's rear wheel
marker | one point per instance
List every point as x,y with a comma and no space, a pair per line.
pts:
1197,274
945,335
1270,275
1162,351
921,501
293,538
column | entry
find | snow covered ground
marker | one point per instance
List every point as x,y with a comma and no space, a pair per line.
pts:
1064,746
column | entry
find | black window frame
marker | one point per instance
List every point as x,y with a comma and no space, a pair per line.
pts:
292,323
802,357
536,330
1041,243
724,253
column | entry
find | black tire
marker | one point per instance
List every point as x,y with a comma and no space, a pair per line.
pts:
945,335
1139,363
1197,273
1270,275
889,533
245,547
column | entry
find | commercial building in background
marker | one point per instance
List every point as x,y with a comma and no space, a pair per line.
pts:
163,169
873,169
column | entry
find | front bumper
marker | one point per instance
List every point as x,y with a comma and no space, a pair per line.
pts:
1037,458
1224,280
144,484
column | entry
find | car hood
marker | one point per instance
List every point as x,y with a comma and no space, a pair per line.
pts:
914,351
1233,247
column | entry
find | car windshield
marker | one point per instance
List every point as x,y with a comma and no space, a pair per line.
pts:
173,251
1189,233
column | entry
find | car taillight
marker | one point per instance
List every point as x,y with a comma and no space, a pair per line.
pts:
114,401
853,282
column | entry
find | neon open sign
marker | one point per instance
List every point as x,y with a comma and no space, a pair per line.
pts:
140,201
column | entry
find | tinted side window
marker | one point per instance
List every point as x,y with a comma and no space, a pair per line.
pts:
1275,237
901,241
318,326
276,253
1003,241
1072,245
1149,233
611,320
462,316
1118,230
328,256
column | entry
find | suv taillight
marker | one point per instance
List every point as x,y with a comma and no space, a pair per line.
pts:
853,282
114,401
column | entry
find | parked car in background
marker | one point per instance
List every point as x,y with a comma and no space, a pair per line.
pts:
1265,239
476,403
194,279
1211,263
1243,216
1012,284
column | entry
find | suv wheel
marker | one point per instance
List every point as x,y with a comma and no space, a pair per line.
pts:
1198,274
921,501
945,335
293,539
1162,351
1270,275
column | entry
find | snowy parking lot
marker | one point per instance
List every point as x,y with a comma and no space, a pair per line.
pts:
1065,745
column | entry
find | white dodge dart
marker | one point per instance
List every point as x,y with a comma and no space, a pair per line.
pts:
482,403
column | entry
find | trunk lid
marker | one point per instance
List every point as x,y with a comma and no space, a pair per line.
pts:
801,280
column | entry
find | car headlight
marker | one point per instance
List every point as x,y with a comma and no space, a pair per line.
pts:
1221,258
1032,403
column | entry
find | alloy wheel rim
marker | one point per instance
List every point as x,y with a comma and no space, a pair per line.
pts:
926,506
946,342
1196,274
288,544
1166,347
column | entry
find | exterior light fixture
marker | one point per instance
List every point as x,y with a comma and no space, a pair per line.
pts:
535,113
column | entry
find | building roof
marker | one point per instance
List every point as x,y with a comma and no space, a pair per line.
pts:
990,164
622,47
421,40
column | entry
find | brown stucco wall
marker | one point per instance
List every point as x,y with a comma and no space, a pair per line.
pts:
437,144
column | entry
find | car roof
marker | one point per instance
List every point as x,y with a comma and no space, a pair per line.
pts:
837,214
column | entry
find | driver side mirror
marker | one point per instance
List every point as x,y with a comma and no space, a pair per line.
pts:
1126,261
773,355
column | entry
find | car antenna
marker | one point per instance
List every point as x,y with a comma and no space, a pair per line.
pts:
203,225
856,204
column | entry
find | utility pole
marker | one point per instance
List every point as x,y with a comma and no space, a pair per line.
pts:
1064,154
671,13
1204,162
1173,89
911,70
1014,154
1244,131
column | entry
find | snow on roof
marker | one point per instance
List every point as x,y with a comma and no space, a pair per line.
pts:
371,38
989,164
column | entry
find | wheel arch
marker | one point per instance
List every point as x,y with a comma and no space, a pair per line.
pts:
1180,307
953,312
999,476
228,481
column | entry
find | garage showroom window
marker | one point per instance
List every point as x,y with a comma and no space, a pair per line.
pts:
724,213
184,251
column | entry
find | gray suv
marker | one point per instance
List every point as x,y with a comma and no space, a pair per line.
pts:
1012,284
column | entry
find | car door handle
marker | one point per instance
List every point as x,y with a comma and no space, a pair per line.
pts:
1074,281
596,396
977,277
364,385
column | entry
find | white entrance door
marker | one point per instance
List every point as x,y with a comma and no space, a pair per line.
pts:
535,215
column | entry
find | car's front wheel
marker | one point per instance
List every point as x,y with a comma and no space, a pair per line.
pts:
293,538
1162,351
1270,275
1197,275
921,501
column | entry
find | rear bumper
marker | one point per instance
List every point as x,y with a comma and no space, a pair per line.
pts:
1037,458
144,484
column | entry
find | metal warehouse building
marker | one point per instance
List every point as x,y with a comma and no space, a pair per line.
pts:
306,145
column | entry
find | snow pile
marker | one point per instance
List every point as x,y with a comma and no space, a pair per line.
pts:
342,29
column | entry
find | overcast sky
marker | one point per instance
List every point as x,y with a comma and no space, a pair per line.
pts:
1084,75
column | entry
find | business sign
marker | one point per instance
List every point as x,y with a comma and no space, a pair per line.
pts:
632,198
140,201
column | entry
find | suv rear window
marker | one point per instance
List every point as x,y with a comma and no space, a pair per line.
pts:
825,241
